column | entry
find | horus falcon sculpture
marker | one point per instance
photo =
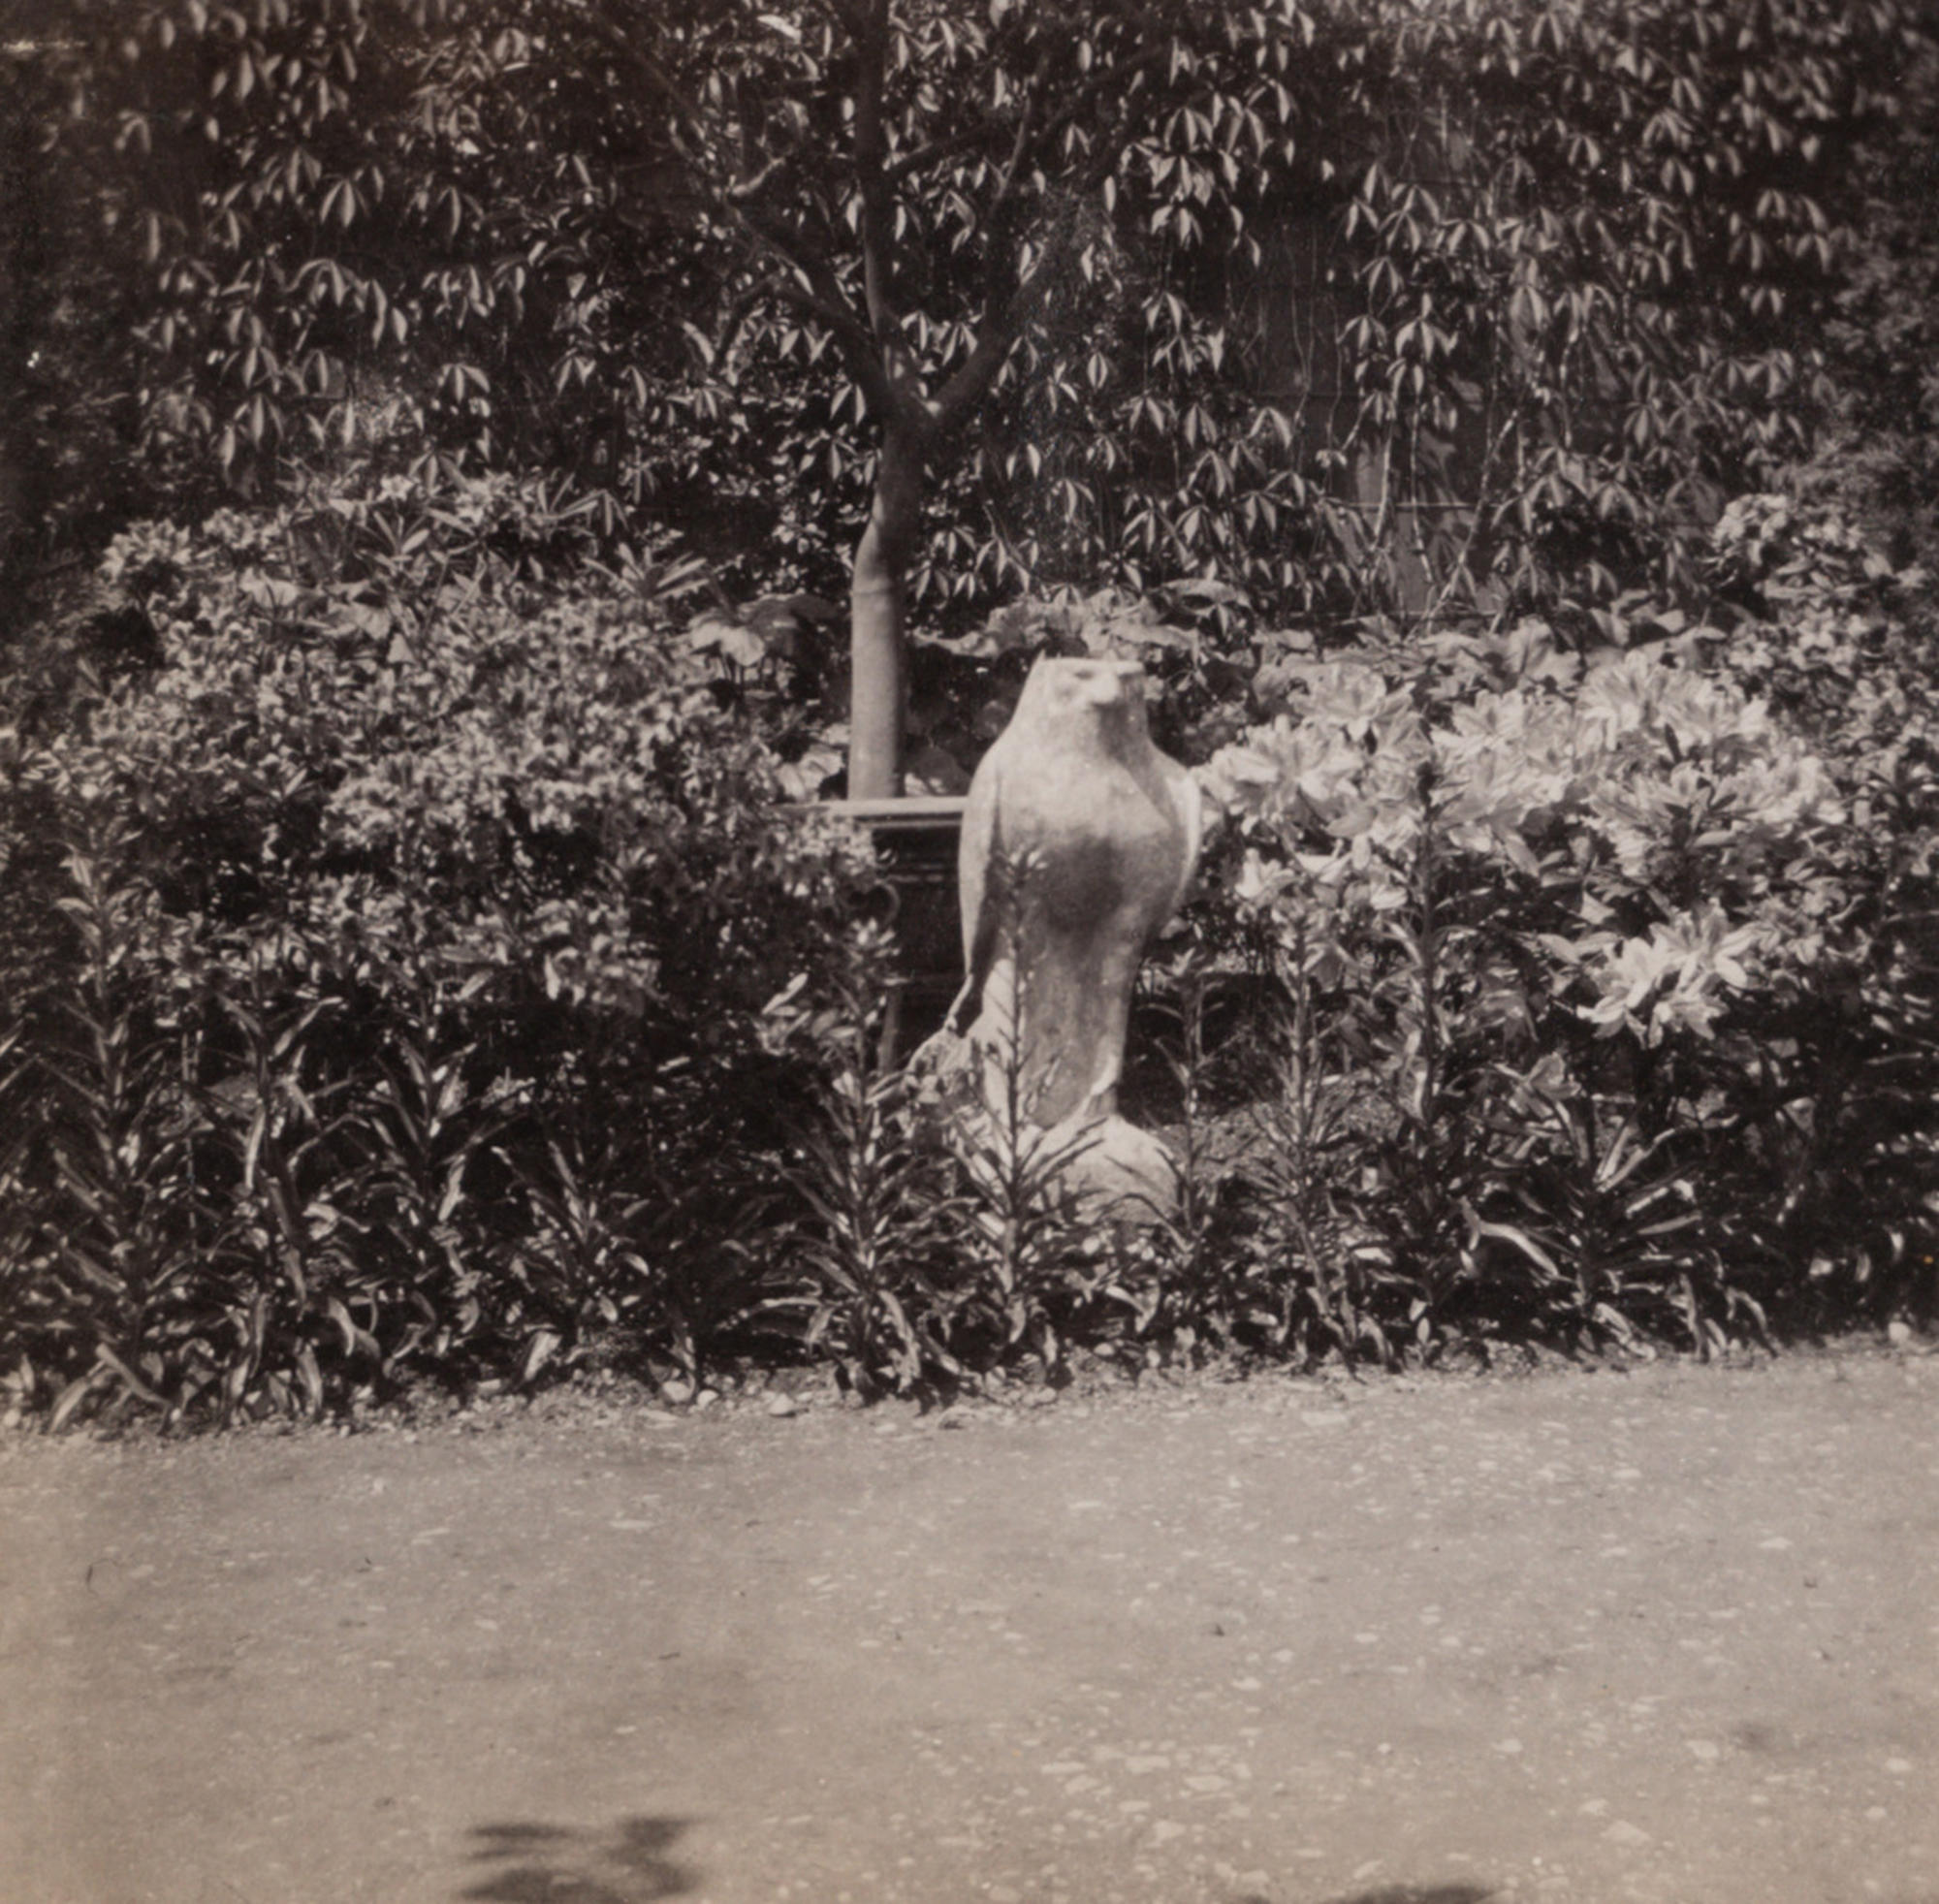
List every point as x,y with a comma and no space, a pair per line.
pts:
1079,841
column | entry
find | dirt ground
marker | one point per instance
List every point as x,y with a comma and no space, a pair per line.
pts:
1670,1636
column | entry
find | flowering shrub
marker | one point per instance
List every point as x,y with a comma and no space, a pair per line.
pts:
1845,1173
1575,934
1650,809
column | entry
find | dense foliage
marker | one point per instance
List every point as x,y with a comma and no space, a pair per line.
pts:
1353,304
412,971
438,436
1609,986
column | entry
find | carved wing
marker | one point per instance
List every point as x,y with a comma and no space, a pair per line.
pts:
979,833
1189,802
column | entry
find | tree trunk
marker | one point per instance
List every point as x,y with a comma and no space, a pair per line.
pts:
878,689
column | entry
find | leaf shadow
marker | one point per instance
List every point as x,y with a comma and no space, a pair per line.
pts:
1462,1894
562,1864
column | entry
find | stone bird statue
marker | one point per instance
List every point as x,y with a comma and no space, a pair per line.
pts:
1079,841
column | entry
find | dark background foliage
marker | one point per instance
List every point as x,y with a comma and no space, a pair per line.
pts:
1301,267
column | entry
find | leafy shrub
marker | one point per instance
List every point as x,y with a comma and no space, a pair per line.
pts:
422,915
876,1289
1845,1163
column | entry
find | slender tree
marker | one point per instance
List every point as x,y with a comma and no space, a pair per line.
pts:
919,182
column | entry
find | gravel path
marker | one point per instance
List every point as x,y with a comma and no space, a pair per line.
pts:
1670,1636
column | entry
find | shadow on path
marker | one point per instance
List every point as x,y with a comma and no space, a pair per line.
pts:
1422,1894
558,1864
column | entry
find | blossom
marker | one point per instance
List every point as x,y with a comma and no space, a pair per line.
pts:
1675,976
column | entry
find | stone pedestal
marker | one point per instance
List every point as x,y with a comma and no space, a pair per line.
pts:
916,844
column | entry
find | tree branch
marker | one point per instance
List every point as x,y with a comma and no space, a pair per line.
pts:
848,14
807,283
912,163
736,190
1020,145
649,69
952,403
872,46
1103,81
798,276
1007,303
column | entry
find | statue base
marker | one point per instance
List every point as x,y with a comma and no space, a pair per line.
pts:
1122,1174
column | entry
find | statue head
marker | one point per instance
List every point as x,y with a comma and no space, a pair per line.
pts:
1092,690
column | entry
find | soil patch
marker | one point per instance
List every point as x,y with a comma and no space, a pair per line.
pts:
1668,1636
